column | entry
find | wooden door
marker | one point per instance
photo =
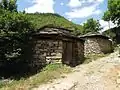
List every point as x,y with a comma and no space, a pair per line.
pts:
67,52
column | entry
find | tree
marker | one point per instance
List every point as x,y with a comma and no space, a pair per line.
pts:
12,5
4,4
91,26
14,28
9,5
113,12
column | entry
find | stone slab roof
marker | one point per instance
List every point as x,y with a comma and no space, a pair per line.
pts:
56,31
89,35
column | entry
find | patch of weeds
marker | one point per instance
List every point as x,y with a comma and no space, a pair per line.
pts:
93,57
50,72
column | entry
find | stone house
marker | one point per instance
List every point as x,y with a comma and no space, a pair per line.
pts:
114,33
56,45
96,44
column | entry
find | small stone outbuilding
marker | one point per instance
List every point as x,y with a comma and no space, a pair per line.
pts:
96,44
114,33
56,45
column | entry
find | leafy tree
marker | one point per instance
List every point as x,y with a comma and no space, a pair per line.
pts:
113,12
91,26
9,5
12,5
4,4
106,16
14,28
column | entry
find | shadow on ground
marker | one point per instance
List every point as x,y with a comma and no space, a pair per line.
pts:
17,70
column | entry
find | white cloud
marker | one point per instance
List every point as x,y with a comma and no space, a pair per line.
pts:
95,1
74,3
100,0
105,25
62,4
78,3
83,8
83,12
42,6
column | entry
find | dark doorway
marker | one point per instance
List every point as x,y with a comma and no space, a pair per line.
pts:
118,38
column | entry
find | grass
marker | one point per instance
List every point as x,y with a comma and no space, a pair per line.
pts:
49,73
93,57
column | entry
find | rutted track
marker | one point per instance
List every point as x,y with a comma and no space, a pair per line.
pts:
102,74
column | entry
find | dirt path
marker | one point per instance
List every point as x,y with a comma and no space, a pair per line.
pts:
103,74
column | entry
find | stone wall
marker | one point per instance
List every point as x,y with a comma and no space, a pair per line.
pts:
45,52
97,45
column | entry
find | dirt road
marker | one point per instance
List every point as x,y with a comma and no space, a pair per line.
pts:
102,74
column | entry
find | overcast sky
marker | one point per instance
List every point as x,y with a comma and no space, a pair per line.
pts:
77,11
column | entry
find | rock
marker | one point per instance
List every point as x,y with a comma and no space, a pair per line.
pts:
118,81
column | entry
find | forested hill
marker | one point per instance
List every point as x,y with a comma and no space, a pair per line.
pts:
56,20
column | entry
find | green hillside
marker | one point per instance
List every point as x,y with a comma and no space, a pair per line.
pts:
56,20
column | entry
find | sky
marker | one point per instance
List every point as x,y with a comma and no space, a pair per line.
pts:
77,11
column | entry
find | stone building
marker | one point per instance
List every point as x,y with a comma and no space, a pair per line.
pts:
114,33
96,44
56,45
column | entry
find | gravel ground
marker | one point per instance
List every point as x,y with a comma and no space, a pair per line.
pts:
102,74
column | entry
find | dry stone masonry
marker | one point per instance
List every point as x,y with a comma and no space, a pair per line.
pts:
47,51
56,45
97,44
